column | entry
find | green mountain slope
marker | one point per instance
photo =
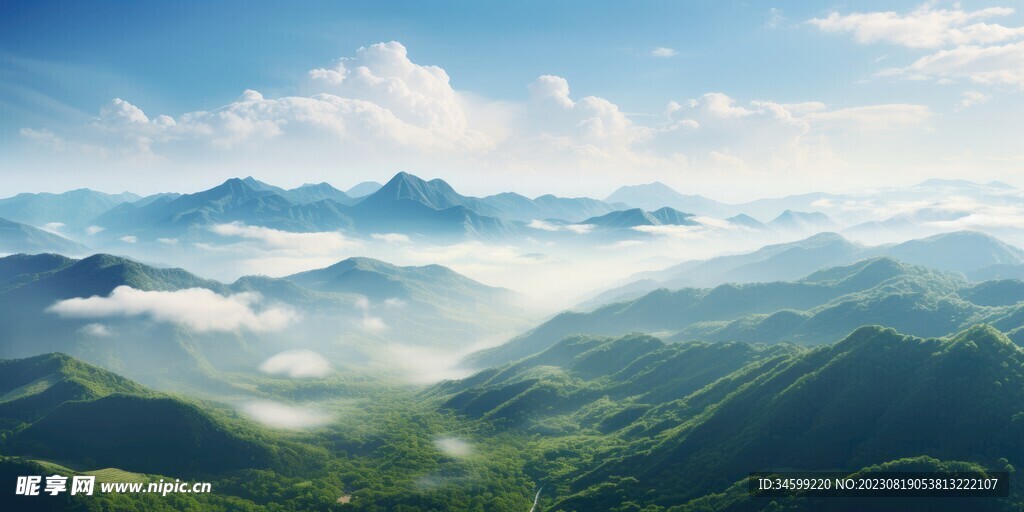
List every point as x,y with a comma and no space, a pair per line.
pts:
82,414
32,387
137,433
873,397
821,308
624,375
22,238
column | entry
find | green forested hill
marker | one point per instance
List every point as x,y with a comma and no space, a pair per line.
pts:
820,308
873,397
151,434
30,388
62,408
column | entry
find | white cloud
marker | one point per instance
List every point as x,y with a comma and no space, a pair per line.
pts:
370,323
373,324
971,98
391,237
421,97
275,239
168,241
196,308
128,239
986,65
968,47
53,227
453,447
97,330
543,225
664,52
379,110
297,364
419,365
621,244
873,117
674,231
580,229
279,415
925,27
92,230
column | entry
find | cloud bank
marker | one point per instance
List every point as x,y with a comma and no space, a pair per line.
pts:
969,46
197,308
379,109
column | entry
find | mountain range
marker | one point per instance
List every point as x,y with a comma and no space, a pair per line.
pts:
63,408
976,255
433,210
820,308
72,209
361,299
16,238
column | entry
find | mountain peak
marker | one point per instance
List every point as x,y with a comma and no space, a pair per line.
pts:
435,193
655,195
364,189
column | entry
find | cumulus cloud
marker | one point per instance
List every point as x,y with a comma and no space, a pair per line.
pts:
986,65
196,308
53,227
971,98
279,415
129,239
664,52
379,108
378,100
92,230
969,47
927,26
297,364
584,123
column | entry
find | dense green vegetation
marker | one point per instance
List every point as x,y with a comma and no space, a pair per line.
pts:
718,383
821,308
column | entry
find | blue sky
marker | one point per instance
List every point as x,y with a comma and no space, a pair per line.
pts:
867,116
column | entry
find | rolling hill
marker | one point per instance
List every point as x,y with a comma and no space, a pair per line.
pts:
73,209
366,301
80,413
17,238
875,396
977,255
820,308
33,387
